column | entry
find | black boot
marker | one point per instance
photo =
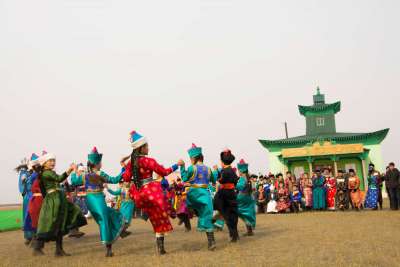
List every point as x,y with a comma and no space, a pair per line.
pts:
59,248
160,246
27,241
188,226
211,241
249,230
76,233
234,236
125,232
109,252
37,246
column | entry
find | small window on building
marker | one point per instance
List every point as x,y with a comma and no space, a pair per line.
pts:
320,122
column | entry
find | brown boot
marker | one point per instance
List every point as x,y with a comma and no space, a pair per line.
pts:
160,246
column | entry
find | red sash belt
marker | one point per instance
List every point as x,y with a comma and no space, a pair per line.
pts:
228,186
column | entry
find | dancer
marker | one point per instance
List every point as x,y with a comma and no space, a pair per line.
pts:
354,187
79,198
246,203
57,215
225,200
180,205
146,192
125,204
24,185
295,199
111,222
199,197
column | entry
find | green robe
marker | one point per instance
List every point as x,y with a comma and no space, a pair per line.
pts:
200,200
127,205
57,215
111,222
246,204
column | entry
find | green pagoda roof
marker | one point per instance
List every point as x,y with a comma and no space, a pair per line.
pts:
320,108
342,138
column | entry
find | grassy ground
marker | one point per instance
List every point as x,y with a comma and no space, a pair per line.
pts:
10,219
365,238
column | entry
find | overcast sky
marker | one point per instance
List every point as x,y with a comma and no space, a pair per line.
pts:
74,74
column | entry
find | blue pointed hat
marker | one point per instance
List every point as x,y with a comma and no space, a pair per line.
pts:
94,156
137,140
195,151
243,166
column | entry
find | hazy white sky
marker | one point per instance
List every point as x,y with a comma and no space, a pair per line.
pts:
74,74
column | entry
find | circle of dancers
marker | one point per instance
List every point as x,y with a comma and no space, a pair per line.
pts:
215,195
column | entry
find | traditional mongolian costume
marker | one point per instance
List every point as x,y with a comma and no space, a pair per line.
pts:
27,177
371,200
283,202
57,215
307,188
331,193
125,203
225,201
355,194
319,198
146,192
111,222
246,203
180,205
342,199
199,197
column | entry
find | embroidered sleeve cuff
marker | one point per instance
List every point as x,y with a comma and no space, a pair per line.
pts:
174,167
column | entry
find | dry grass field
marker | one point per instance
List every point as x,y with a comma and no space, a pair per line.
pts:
365,238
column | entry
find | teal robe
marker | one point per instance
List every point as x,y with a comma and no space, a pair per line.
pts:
246,204
111,222
319,197
127,206
200,199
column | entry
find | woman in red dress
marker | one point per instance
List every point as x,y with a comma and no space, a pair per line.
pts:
331,192
146,192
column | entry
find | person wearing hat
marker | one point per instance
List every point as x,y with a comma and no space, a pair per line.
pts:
354,188
57,214
342,200
111,222
146,192
371,199
319,198
198,198
225,201
27,175
246,203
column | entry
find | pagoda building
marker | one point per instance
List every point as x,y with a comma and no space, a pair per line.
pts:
323,147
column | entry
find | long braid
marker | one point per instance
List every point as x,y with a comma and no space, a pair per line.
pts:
248,187
135,168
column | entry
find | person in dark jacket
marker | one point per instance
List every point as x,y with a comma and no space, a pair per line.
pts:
392,179
225,200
